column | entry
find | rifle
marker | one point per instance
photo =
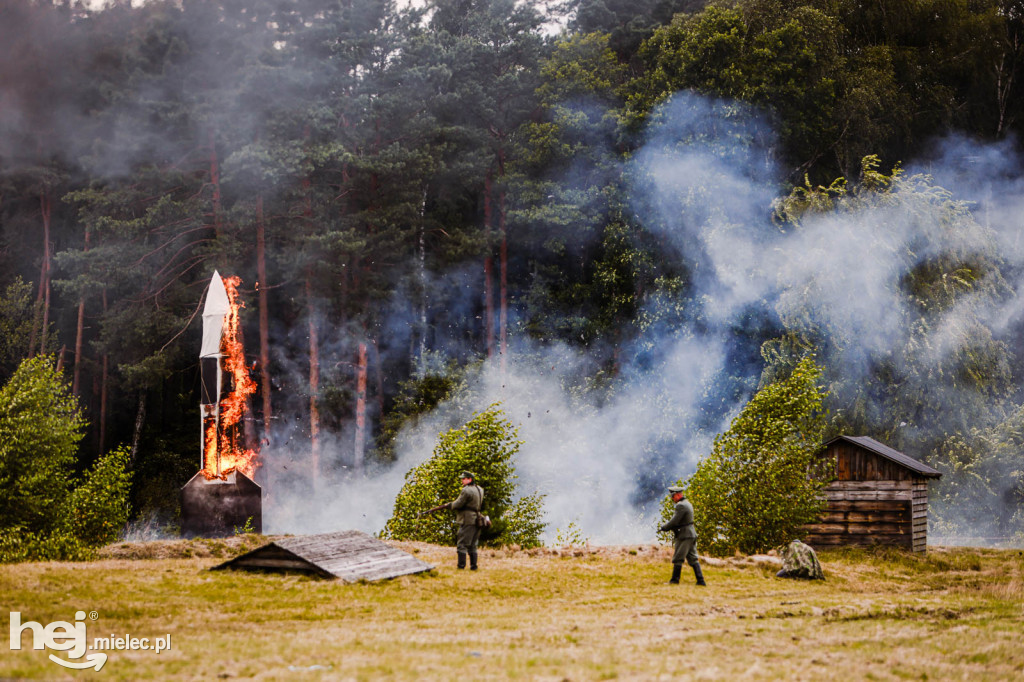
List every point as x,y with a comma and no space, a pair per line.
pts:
432,510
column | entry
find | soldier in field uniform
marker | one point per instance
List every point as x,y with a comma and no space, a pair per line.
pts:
685,543
467,512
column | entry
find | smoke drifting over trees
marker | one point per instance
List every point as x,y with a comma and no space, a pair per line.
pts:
618,232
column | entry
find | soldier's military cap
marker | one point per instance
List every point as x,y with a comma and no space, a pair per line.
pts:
467,474
675,489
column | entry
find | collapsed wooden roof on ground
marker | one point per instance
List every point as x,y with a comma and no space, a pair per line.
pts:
349,555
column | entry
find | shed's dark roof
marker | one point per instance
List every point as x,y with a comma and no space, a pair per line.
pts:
890,454
349,555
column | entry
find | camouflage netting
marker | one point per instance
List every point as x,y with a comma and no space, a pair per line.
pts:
800,561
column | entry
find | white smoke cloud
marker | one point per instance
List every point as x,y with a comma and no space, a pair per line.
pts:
705,182
582,457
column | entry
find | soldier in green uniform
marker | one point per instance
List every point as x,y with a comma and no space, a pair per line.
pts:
467,512
685,543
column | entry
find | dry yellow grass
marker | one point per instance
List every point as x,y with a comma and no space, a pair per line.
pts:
577,614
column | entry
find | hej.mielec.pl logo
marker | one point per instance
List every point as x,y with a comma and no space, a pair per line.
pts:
72,638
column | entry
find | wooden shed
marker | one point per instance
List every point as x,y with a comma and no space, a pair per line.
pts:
879,496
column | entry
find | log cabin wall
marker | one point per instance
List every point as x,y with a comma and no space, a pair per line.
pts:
873,500
919,515
865,513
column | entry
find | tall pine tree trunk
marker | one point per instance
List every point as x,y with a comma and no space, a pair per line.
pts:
358,451
140,420
503,265
261,274
79,331
488,267
46,316
104,375
42,319
422,253
96,446
314,342
378,370
1011,45
314,384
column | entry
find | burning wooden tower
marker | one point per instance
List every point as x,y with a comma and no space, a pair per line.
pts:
222,496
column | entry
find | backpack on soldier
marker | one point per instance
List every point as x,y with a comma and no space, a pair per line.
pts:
482,520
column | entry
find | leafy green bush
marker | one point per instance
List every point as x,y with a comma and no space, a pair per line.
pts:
43,514
40,428
98,508
571,536
762,480
55,545
981,492
487,446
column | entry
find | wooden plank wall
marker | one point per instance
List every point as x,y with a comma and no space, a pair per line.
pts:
866,513
854,463
920,514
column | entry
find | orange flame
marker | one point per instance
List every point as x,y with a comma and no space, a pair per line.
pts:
221,451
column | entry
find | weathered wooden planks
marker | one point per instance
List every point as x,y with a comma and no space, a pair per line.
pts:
864,495
348,555
859,458
858,516
844,540
854,463
859,528
867,505
871,485
880,496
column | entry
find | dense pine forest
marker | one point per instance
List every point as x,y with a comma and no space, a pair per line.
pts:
617,219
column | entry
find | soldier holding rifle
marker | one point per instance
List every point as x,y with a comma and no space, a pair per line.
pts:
467,513
685,542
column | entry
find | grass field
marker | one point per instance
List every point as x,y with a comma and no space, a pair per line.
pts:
576,614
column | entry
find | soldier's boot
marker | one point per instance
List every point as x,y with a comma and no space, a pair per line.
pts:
472,561
462,560
677,570
700,576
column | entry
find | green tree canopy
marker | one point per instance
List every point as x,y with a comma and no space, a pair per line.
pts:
15,325
97,509
44,512
40,428
787,64
762,480
487,446
356,161
627,22
940,369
